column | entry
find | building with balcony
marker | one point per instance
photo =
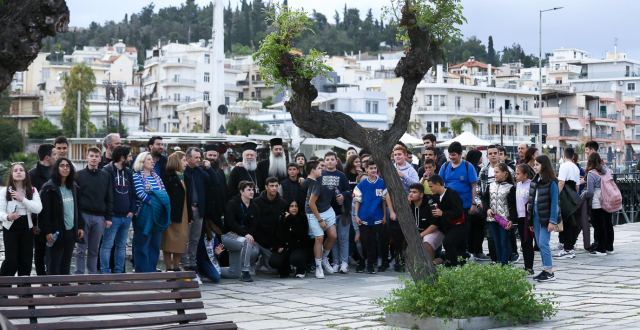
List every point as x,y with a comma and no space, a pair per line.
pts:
179,78
112,65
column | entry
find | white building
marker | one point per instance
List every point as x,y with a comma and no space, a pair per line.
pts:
178,77
111,64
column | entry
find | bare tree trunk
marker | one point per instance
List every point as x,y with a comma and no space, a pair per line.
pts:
418,59
24,24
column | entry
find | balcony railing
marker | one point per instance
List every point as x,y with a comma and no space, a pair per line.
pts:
188,82
177,61
613,116
572,133
571,112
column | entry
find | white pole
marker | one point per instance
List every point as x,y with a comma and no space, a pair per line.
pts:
78,114
217,60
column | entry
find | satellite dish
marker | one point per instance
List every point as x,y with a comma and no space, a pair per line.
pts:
222,109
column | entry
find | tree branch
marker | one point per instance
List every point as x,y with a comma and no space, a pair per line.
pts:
25,23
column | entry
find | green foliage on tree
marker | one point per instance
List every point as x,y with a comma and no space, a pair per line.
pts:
80,78
43,128
515,53
245,126
458,123
491,52
240,49
113,128
11,138
5,102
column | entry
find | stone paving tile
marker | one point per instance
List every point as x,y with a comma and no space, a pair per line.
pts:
295,315
269,324
359,325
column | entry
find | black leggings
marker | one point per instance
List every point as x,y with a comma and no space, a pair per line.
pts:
59,255
526,241
284,260
18,246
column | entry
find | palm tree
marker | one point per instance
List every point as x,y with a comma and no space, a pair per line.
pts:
457,124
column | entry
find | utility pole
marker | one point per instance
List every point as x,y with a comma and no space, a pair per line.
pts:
78,112
501,131
120,95
540,72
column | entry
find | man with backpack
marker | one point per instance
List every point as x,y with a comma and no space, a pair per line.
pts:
460,176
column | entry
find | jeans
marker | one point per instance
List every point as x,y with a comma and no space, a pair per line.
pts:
542,238
87,252
502,242
146,250
241,254
116,236
195,231
340,250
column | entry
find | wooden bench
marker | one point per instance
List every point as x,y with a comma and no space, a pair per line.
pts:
65,297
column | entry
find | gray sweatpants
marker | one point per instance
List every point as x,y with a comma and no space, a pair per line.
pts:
87,252
241,254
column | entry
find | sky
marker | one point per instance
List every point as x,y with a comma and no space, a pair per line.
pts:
592,25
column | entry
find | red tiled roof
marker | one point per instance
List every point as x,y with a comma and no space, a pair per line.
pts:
472,64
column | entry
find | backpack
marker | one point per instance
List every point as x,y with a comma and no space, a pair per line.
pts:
610,198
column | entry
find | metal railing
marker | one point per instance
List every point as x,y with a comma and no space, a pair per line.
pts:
572,133
629,185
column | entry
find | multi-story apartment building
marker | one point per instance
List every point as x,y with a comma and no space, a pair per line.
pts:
178,78
111,65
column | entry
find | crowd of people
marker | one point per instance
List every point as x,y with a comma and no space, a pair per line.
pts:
311,215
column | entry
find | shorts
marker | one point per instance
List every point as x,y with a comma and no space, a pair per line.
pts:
434,239
315,230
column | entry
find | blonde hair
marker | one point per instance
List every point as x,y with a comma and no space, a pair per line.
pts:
138,164
174,162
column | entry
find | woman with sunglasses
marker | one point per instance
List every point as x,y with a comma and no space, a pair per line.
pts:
18,200
60,221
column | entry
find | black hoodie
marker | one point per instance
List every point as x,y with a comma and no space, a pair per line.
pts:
422,214
268,214
95,192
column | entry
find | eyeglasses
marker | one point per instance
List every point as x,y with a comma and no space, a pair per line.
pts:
65,165
17,163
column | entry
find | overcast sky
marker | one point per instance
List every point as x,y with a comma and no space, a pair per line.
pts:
592,25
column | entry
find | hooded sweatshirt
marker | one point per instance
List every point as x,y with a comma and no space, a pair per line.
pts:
410,175
268,214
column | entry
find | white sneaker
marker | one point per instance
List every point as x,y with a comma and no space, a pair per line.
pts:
198,279
611,252
560,246
335,268
344,268
302,275
563,254
319,273
597,253
326,266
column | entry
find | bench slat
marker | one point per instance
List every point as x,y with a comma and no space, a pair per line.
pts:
104,278
100,310
225,325
99,299
119,323
88,288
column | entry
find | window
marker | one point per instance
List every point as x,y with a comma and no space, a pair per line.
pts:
253,78
227,101
558,81
390,103
206,77
492,104
631,87
253,95
525,105
458,102
258,94
435,127
176,97
207,58
429,127
428,100
332,106
443,100
603,111
476,103
372,107
205,96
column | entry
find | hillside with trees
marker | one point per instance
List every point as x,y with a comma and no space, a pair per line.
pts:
347,31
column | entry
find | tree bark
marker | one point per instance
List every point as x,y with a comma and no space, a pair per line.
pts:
25,23
418,59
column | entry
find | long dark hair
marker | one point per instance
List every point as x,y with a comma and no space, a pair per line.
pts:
55,173
504,168
349,167
28,188
528,155
594,163
546,170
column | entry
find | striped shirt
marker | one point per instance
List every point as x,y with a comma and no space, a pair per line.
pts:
144,184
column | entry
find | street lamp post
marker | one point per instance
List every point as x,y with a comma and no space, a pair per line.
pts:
501,132
540,73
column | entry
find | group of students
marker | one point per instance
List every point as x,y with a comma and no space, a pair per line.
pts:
308,215
504,199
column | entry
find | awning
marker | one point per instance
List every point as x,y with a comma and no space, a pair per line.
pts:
636,148
574,124
605,123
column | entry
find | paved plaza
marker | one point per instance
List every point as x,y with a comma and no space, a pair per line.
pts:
591,292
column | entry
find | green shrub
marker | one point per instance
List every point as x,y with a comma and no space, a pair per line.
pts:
470,291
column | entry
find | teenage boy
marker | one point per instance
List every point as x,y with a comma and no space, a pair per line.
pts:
321,217
429,170
39,175
370,213
449,214
337,182
291,187
422,204
95,202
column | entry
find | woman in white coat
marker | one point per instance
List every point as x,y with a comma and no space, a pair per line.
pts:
18,200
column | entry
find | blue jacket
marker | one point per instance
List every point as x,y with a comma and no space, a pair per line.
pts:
155,214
